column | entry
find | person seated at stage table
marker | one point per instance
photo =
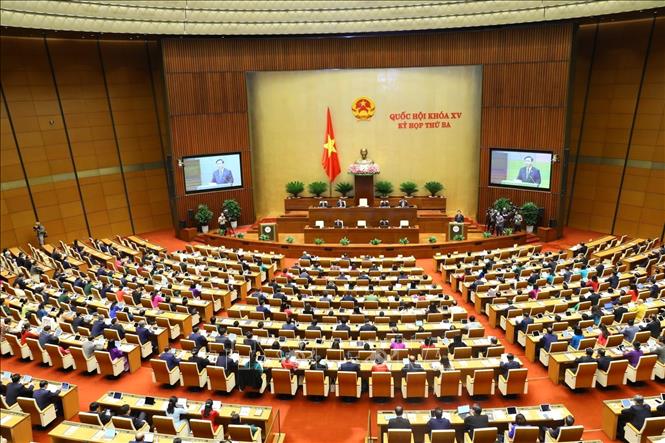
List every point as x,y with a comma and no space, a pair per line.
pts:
384,204
323,204
318,364
603,360
652,324
116,354
199,340
341,203
403,203
459,217
630,331
338,224
350,365
384,223
201,362
397,343
368,326
225,361
399,422
578,336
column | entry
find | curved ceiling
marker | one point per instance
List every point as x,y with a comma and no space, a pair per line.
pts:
252,17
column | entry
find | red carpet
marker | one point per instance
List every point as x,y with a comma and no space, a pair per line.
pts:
333,421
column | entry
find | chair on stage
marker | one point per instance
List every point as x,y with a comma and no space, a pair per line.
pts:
39,354
23,351
162,374
204,429
523,434
107,366
566,433
128,424
165,425
315,384
398,436
243,433
81,362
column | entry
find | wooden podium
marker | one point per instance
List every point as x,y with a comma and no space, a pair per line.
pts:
364,188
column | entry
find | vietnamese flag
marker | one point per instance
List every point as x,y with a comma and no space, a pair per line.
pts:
330,159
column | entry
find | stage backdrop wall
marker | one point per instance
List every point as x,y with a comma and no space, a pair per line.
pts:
526,70
288,121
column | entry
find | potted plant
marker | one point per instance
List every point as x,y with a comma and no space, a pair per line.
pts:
529,212
508,231
231,209
503,203
458,237
404,241
318,241
264,237
289,239
344,241
408,188
203,216
487,234
375,241
383,188
434,188
240,235
317,188
344,188
295,188
431,239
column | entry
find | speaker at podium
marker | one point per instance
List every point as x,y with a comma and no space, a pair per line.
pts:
456,229
269,230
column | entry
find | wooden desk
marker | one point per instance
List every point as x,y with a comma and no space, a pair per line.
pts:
591,244
146,244
608,253
69,397
362,235
371,215
75,432
498,418
106,259
180,318
15,426
612,410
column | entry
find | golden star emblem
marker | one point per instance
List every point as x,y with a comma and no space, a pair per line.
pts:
330,146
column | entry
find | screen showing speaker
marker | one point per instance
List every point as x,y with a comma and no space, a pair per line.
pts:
207,173
520,169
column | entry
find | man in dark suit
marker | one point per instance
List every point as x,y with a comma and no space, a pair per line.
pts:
16,389
403,203
399,422
411,366
459,217
104,416
603,360
46,338
253,344
547,339
144,333
509,364
169,358
367,326
341,203
98,327
586,358
637,412
476,420
44,397
117,327
614,280
438,422
529,173
78,321
201,363
350,366
653,326
138,422
199,340
221,175
523,324
619,311
225,361
342,326
569,420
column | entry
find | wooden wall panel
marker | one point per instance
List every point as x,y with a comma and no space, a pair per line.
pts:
525,92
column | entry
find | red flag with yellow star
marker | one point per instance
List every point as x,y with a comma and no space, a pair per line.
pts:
330,160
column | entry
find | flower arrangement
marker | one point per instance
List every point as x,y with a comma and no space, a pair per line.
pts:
360,169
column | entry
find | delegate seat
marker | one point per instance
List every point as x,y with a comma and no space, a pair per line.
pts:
566,434
243,433
108,367
23,351
4,405
91,418
219,380
557,346
615,374
659,370
174,330
204,429
59,360
481,383
39,354
398,436
462,352
583,377
162,374
348,384
165,425
283,382
515,383
652,426
81,362
42,417
128,424
523,434
441,436
448,384
482,435
381,385
414,385
190,375
146,348
645,369
315,384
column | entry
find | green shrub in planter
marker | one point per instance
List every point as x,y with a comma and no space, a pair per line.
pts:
240,235
317,188
221,231
404,241
344,241
487,234
529,212
203,215
375,241
458,237
318,241
290,239
264,237
502,203
433,188
383,188
232,208
344,188
408,188
508,231
295,188
431,239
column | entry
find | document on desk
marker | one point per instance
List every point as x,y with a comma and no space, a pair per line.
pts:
72,430
244,411
127,348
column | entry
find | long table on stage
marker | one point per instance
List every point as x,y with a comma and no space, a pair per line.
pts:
372,215
362,235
